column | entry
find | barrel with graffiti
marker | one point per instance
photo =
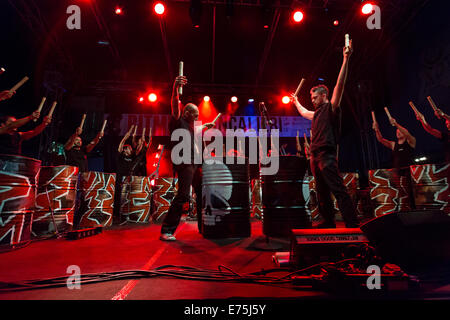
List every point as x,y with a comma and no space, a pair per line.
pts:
136,197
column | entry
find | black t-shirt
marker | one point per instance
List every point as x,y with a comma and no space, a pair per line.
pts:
125,164
325,128
446,144
402,155
11,143
182,124
77,158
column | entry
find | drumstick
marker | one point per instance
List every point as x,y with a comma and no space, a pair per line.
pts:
39,109
413,107
373,117
310,134
299,87
2,70
104,125
143,133
347,40
433,105
52,109
180,73
82,121
19,84
217,117
135,130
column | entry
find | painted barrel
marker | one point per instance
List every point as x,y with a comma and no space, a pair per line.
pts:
164,191
389,191
136,197
430,183
55,200
96,200
282,198
18,183
226,200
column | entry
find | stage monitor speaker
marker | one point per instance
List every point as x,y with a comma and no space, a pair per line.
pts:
416,241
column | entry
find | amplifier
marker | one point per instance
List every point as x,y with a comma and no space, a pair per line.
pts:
311,246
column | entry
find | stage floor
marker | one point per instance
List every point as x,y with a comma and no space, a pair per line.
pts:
137,247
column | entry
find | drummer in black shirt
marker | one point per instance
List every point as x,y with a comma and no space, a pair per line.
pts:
11,139
181,119
325,133
402,149
76,153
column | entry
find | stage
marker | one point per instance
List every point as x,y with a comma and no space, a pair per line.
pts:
137,247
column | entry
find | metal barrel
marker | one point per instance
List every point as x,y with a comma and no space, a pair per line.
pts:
136,197
18,179
226,200
96,200
164,191
431,186
55,200
389,191
282,197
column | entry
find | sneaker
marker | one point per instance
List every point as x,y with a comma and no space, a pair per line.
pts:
167,237
326,225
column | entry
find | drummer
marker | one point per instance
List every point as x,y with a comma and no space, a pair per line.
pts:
77,153
11,139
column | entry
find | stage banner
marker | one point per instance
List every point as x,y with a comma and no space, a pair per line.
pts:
159,123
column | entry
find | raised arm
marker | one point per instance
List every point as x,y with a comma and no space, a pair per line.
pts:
94,142
436,133
409,137
342,78
127,135
6,94
383,141
441,115
71,141
175,102
32,133
20,122
305,113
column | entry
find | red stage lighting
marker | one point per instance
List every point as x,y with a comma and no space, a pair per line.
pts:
152,97
141,99
297,16
234,99
159,8
336,22
266,26
367,8
206,98
118,10
285,100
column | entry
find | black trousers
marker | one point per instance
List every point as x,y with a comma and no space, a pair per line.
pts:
180,203
325,170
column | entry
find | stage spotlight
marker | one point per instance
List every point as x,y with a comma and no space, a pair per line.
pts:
141,99
159,8
251,100
234,99
118,10
206,98
152,97
336,22
297,16
367,8
285,100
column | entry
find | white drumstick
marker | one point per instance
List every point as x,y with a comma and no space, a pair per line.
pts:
180,73
40,106
19,84
82,121
217,117
143,132
373,117
104,125
347,40
432,103
299,87
52,109
413,107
